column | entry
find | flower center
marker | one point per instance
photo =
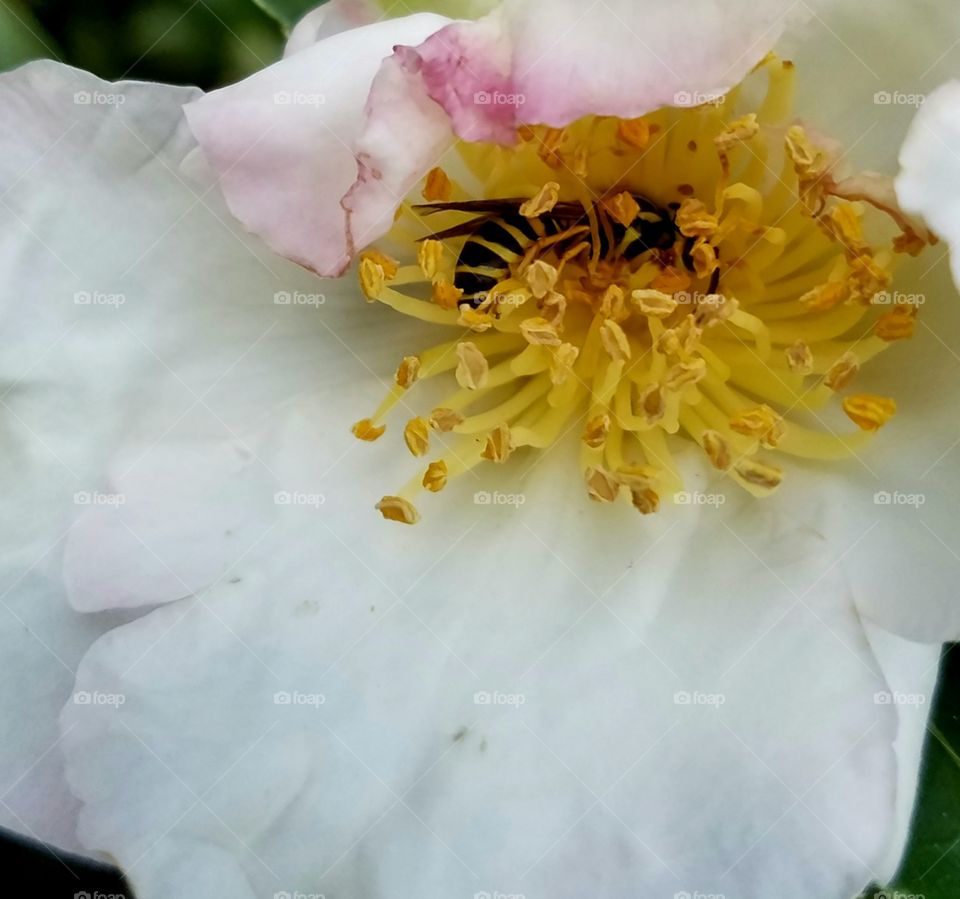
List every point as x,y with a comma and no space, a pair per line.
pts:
700,274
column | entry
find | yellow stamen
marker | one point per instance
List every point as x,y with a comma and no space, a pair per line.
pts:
715,285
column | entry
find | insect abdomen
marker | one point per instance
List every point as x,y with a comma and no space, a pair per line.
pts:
488,252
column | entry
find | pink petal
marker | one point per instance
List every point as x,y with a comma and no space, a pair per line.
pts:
282,140
330,19
554,61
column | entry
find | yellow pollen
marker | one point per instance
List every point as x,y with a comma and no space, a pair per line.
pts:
371,279
897,324
602,486
438,187
367,430
654,303
635,132
416,435
615,341
596,430
445,420
541,278
429,256
408,371
539,332
694,220
623,207
759,475
762,423
445,294
473,370
396,508
389,265
707,275
646,500
563,361
717,450
869,411
543,201
799,358
842,372
499,445
435,477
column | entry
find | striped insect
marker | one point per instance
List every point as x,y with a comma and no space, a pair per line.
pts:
498,237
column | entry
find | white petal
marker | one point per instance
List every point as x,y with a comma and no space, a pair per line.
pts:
862,70
401,782
330,19
930,165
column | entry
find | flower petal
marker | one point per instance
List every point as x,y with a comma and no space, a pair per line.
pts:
330,19
72,146
670,728
930,166
563,60
282,140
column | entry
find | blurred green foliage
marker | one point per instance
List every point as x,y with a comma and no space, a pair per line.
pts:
204,42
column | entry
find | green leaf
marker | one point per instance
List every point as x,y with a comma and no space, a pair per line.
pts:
22,37
288,12
931,867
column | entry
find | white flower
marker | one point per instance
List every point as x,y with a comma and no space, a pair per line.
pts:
528,693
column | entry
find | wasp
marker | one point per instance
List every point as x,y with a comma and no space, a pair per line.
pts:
498,236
